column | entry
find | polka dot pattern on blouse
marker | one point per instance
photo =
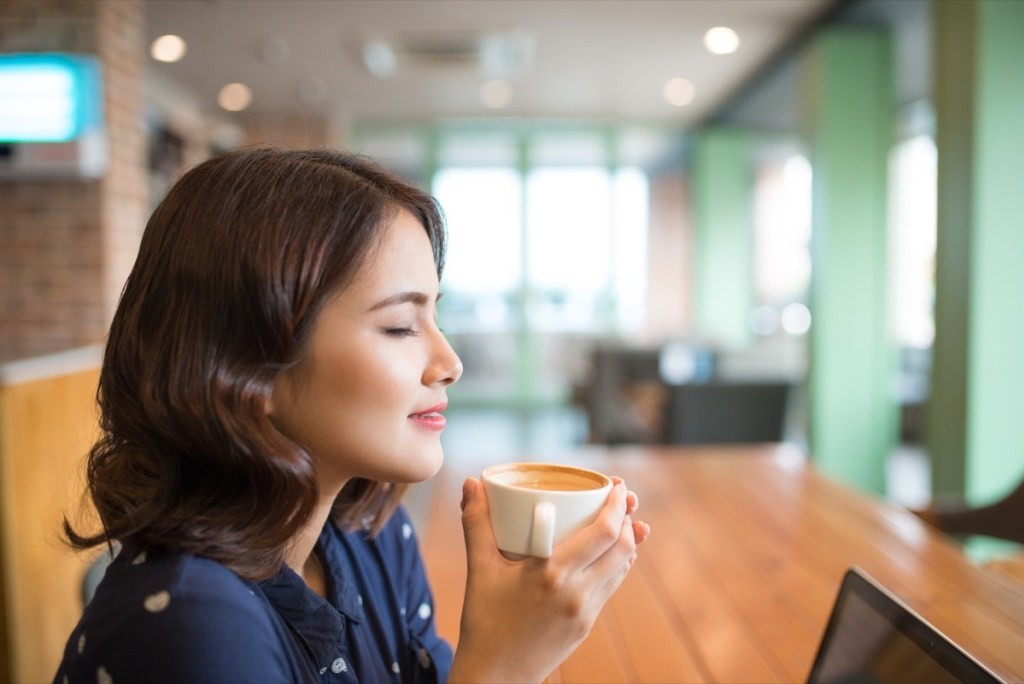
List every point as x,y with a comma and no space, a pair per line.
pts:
155,607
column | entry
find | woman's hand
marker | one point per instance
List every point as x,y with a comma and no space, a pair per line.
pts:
522,619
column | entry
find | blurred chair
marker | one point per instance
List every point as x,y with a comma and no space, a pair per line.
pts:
623,382
1003,519
626,390
724,413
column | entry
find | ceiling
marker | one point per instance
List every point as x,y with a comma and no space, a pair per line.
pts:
563,59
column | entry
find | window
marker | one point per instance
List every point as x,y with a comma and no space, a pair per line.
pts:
913,201
484,267
568,236
548,243
782,235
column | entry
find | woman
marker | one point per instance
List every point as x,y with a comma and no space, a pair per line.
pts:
273,378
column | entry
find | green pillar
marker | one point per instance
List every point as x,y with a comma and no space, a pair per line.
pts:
975,430
852,411
723,189
946,427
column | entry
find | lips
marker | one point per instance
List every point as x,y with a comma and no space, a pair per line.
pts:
431,418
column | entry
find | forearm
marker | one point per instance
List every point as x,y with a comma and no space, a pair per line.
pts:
489,665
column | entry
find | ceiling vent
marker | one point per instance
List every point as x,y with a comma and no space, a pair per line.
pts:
490,54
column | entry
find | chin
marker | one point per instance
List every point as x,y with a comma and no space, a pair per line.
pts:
433,461
424,465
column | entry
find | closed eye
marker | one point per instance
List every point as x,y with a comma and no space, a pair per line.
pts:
400,332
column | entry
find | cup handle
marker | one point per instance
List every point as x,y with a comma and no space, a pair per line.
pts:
543,536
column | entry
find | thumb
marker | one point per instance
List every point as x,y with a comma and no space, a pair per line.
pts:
476,519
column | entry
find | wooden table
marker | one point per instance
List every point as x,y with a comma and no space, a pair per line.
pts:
737,580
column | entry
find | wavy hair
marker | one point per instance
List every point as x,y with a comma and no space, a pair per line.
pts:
234,266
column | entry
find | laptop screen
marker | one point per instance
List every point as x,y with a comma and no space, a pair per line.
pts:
873,638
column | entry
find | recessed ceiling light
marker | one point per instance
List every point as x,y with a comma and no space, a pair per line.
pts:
275,50
679,92
379,58
496,94
721,40
234,97
168,48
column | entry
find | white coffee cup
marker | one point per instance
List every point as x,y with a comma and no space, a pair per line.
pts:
536,505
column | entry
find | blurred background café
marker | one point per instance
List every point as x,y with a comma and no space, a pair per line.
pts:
671,222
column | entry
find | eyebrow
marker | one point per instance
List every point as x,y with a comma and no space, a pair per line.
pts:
417,298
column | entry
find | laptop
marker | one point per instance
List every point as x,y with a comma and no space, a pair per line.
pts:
874,638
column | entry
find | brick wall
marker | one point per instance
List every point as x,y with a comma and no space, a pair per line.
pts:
66,247
125,191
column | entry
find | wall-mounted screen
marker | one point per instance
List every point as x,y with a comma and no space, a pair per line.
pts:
51,117
48,97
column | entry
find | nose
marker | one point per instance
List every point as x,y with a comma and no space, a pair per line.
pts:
445,367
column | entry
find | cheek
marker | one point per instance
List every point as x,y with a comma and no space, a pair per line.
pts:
377,378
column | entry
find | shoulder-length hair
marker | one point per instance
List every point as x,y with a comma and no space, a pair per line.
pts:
234,266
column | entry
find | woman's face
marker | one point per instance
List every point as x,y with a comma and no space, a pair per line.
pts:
366,399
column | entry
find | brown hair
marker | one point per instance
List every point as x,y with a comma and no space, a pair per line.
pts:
234,266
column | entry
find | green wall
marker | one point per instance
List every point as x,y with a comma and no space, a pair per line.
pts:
996,354
975,430
723,190
946,418
848,109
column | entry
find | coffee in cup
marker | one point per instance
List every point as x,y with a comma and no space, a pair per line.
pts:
536,505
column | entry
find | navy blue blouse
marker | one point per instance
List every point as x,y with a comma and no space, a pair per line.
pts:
161,616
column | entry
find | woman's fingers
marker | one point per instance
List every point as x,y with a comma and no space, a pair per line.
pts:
476,521
547,605
590,543
641,531
632,501
608,571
